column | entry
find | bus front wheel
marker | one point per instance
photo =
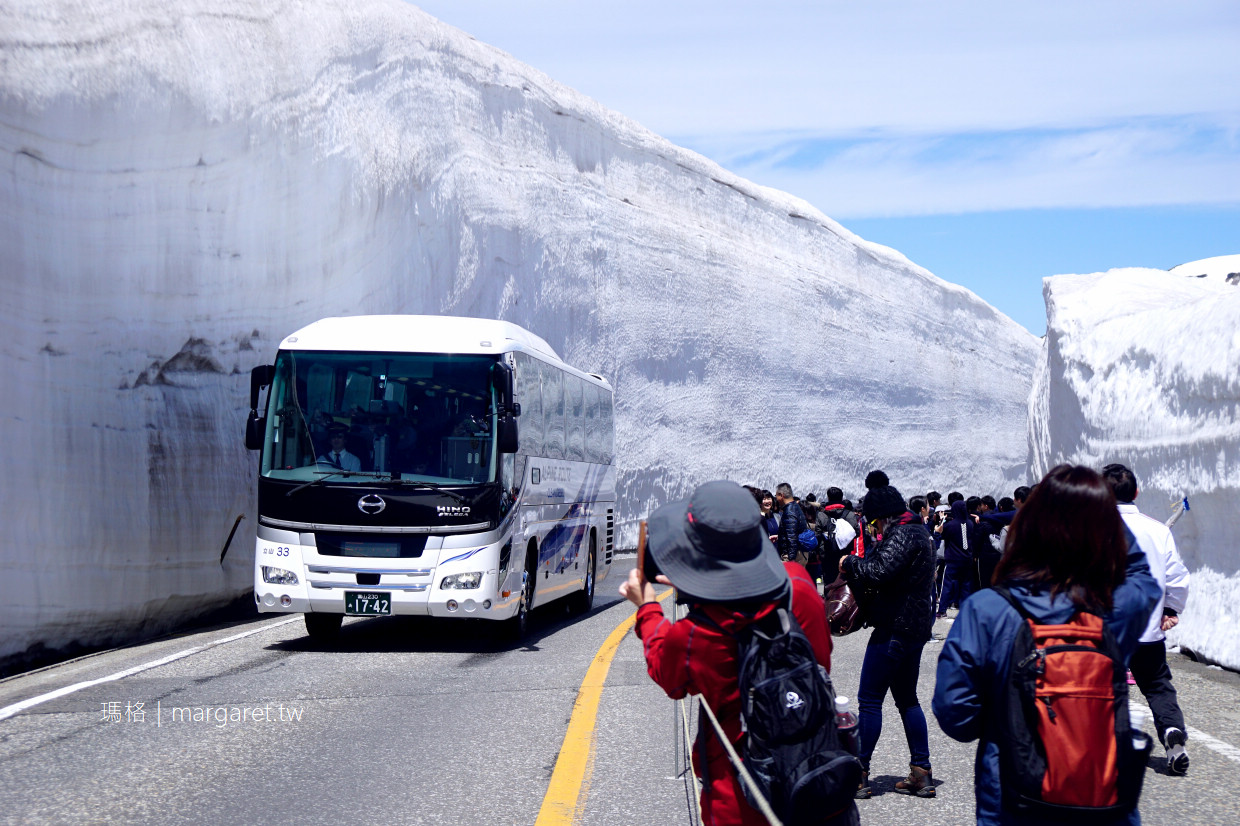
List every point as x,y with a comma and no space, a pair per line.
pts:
323,627
520,622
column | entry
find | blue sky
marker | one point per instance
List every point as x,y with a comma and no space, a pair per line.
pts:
992,143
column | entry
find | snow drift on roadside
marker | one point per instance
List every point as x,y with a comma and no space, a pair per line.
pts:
1143,367
187,182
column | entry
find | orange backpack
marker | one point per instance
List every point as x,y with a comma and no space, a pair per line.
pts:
1065,747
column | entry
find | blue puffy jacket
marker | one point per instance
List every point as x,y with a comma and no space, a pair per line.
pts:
974,662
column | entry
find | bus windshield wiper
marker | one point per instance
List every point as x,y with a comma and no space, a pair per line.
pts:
418,483
324,475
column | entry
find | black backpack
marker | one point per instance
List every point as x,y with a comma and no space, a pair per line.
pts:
791,747
1066,751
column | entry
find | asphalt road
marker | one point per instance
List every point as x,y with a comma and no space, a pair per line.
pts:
435,723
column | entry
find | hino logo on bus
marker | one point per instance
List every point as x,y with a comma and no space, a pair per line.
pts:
371,504
450,510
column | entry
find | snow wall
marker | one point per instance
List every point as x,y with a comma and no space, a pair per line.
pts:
1142,367
185,183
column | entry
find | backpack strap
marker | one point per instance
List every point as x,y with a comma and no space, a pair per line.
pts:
1002,590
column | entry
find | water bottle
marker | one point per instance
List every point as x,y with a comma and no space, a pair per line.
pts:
1137,715
846,722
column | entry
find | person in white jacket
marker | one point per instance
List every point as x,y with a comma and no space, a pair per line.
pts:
1149,663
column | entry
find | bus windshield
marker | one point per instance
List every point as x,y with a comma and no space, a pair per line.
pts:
352,418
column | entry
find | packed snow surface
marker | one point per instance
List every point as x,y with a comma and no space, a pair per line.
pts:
188,182
1142,367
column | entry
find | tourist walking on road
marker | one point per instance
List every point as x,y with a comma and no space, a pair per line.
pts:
1149,663
712,548
960,540
898,573
1067,552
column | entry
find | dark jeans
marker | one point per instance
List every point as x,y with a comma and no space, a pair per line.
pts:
957,583
892,663
1149,669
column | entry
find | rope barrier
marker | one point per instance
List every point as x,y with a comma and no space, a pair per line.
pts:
763,805
682,711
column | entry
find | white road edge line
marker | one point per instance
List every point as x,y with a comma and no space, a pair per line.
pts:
9,711
1226,749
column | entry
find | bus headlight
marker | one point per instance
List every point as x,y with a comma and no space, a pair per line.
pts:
462,581
278,576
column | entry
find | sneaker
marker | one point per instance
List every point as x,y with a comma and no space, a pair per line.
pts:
1177,758
918,782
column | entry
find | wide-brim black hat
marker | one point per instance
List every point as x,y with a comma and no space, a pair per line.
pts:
712,545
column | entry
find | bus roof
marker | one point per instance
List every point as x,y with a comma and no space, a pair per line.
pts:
419,334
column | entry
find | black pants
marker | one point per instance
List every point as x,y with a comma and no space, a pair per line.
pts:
986,564
1149,669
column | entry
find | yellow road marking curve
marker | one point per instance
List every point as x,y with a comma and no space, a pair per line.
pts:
576,761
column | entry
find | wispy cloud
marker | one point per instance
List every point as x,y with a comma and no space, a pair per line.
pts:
1137,163
908,107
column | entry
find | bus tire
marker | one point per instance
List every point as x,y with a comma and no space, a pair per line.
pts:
323,627
518,626
583,601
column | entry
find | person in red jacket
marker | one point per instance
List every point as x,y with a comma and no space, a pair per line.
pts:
712,548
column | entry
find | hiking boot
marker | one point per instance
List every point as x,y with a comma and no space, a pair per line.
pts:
1177,758
863,788
918,782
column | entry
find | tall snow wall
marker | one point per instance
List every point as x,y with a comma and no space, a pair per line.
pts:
185,183
1142,367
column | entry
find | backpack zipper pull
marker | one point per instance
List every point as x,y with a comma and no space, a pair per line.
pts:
1050,712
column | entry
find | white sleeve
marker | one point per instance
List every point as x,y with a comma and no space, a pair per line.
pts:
1176,588
844,533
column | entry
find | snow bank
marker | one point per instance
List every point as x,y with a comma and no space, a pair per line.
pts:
1143,367
186,183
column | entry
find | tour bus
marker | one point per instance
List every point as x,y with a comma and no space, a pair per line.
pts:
428,466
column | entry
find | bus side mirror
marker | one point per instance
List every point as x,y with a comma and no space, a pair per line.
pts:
260,377
506,434
256,425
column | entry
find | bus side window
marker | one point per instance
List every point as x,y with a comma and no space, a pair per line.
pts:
575,416
606,452
593,453
553,410
530,425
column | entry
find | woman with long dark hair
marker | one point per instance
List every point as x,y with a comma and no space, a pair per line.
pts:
898,573
1067,550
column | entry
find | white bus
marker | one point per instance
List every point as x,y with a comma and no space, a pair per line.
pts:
428,465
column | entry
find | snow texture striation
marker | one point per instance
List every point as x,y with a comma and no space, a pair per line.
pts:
187,182
1143,367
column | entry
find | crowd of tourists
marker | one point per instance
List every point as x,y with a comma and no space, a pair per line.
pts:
1070,558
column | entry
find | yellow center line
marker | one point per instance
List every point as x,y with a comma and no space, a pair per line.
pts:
576,761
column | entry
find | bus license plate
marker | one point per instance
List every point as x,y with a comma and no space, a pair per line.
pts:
367,603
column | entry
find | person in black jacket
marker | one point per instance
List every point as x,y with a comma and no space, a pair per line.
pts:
792,522
898,574
961,541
